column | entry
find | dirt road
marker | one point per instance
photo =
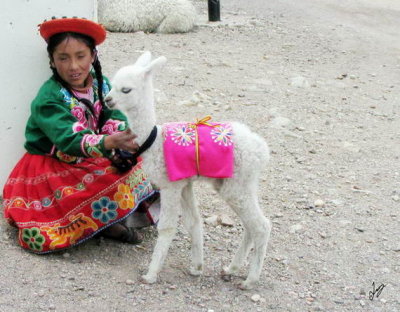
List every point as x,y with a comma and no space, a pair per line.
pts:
319,80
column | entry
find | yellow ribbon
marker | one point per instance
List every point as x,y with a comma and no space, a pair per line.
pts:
203,121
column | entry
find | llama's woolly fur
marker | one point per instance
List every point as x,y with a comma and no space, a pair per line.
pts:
163,16
132,93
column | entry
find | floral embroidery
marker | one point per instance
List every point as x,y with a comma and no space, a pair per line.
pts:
33,238
124,197
69,99
97,108
90,145
106,89
104,209
65,157
18,203
222,135
79,113
136,178
46,202
142,189
93,139
111,126
88,178
36,205
74,230
98,172
183,135
79,126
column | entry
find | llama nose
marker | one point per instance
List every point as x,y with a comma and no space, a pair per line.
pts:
109,102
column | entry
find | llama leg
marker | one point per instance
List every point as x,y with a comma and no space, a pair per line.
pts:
260,241
192,222
167,224
246,243
240,255
257,232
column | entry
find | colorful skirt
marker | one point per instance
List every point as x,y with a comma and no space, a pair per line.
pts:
56,205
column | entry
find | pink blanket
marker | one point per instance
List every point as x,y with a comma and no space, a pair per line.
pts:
199,148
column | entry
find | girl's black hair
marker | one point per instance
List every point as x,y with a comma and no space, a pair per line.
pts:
52,44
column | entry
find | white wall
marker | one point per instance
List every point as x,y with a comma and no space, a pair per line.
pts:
25,66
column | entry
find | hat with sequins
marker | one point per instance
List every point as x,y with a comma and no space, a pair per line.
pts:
74,24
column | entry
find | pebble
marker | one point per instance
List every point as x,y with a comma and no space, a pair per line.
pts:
295,228
322,234
280,122
213,220
79,288
299,82
319,203
66,255
255,298
129,282
225,220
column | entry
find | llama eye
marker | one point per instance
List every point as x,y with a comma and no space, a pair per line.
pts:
126,90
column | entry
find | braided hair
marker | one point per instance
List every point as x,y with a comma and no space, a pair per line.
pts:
53,42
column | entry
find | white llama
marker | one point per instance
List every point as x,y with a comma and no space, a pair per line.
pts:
132,93
163,16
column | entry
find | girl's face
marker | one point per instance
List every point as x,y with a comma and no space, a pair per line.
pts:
73,60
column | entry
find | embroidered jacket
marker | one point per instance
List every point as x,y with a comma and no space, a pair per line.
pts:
61,126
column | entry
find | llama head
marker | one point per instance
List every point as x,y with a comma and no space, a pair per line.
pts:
132,86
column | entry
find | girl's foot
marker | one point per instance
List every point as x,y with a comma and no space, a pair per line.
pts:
122,233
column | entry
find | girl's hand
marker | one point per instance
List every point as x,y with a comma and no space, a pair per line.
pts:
123,140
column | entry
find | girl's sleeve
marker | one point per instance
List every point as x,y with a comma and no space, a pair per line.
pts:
68,133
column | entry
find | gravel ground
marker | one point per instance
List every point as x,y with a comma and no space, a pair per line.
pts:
320,82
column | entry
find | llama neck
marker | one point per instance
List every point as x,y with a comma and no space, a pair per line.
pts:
142,121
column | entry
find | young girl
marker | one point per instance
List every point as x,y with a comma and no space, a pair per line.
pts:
65,190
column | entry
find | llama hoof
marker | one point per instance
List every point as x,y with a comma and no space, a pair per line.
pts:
226,278
229,270
195,271
246,285
226,275
146,279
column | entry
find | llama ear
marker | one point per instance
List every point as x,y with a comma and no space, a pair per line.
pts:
155,64
144,59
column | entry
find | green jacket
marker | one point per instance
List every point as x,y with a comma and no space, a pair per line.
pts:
62,127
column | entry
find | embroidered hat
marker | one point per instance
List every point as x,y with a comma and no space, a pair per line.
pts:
74,24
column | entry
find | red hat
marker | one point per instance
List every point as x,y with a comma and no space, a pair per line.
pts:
77,25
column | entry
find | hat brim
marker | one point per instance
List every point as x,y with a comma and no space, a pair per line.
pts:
77,25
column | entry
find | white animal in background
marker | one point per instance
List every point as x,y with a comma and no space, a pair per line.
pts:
163,16
132,93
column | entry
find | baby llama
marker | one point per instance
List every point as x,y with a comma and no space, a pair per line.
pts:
132,93
163,16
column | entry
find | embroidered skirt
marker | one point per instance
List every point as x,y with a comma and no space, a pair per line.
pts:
56,205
